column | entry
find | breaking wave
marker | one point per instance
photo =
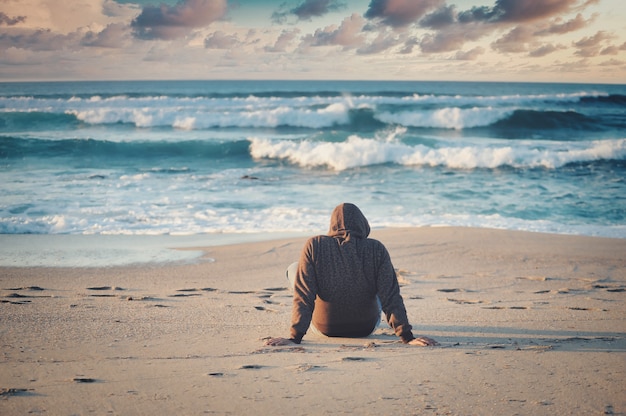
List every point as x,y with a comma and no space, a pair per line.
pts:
361,152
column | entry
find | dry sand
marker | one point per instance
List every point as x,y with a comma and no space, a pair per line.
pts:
529,324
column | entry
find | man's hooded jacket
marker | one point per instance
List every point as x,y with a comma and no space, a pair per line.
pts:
340,278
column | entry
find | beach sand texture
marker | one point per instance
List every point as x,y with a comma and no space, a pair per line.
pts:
528,324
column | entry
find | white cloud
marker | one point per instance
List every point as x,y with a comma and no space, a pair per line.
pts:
68,16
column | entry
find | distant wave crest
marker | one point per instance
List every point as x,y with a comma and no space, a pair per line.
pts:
318,111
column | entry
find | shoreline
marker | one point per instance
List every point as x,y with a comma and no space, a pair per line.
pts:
103,250
528,323
97,250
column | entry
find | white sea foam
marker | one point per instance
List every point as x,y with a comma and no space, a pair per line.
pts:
243,224
357,151
333,114
447,118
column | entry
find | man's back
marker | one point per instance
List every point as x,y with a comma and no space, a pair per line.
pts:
341,278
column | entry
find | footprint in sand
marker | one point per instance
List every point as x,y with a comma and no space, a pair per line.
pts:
301,368
465,301
275,289
84,380
33,288
104,289
185,293
454,290
204,289
6,392
263,308
16,302
251,367
20,299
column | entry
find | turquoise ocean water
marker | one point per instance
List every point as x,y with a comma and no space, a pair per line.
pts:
191,158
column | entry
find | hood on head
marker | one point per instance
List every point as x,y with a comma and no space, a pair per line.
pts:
347,221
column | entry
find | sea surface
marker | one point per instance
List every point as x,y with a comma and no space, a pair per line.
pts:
256,157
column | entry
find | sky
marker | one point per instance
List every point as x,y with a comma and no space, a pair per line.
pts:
454,40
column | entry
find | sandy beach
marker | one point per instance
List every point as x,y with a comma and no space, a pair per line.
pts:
529,324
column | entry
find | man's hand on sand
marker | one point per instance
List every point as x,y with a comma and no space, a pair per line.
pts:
275,342
423,342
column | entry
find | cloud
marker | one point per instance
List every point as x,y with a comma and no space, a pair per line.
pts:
10,21
66,16
569,26
452,29
115,35
400,13
111,8
612,62
409,45
515,40
220,40
442,42
171,22
544,50
470,55
308,9
592,45
522,11
453,37
444,16
382,42
610,50
348,34
284,40
39,40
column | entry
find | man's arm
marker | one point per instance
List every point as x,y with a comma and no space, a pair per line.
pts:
304,293
390,298
393,304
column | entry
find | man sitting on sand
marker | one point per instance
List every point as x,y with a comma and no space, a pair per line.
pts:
342,281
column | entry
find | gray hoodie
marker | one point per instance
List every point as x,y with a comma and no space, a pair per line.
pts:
339,277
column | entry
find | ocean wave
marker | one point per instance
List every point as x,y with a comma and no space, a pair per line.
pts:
337,115
312,111
610,99
547,120
333,114
361,152
447,118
